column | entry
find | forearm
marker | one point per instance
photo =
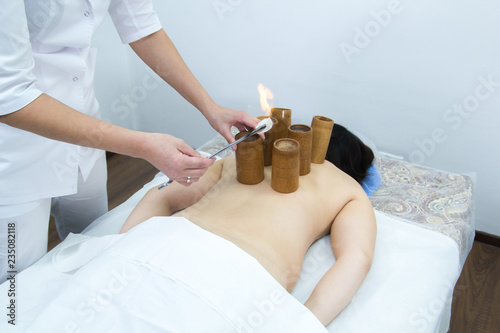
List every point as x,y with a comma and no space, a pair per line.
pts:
352,235
172,199
337,287
160,54
52,119
154,203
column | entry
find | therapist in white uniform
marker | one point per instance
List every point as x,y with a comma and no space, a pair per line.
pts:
52,142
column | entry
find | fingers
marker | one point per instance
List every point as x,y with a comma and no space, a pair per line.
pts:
222,119
194,167
176,159
241,127
244,122
226,134
197,163
250,121
186,149
188,181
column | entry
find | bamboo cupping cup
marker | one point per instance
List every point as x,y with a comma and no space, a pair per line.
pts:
250,160
285,166
303,135
270,137
322,131
284,118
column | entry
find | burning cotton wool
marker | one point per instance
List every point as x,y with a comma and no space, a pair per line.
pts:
266,124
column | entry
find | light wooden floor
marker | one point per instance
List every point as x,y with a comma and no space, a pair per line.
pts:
476,301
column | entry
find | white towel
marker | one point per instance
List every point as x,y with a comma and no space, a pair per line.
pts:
169,275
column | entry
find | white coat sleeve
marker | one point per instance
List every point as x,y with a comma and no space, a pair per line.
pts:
134,19
17,80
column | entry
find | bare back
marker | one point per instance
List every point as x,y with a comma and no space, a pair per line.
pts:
275,228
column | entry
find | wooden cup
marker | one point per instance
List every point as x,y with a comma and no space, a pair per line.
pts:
284,118
270,137
285,166
303,135
250,159
322,130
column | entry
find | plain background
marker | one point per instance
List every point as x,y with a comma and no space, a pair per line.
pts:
419,78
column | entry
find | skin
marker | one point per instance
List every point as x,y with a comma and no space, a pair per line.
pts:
50,118
277,229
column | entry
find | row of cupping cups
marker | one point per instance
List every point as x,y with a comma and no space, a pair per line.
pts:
290,151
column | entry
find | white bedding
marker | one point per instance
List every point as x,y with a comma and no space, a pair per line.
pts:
168,275
408,289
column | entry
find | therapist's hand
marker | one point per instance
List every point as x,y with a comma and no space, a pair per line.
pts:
52,119
175,158
222,119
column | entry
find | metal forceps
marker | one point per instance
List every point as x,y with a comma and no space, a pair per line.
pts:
255,131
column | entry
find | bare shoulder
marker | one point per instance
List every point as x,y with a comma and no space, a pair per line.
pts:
331,178
330,189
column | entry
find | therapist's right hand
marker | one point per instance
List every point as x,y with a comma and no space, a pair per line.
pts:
175,158
50,118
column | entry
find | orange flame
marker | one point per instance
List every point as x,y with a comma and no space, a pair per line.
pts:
265,95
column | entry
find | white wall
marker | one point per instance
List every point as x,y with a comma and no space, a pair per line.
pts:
411,75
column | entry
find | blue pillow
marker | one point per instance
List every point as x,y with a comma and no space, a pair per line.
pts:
372,181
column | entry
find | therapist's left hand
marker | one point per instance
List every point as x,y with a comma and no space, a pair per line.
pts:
222,119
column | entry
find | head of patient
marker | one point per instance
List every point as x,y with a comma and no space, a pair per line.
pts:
277,229
349,153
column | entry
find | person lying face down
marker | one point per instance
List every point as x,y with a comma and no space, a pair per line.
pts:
277,229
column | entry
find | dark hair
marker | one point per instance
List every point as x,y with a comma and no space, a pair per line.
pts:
349,153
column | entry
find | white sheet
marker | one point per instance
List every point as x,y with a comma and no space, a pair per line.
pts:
408,289
168,275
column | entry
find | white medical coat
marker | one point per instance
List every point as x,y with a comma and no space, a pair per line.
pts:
46,48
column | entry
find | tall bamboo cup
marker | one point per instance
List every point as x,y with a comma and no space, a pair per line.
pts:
250,160
285,166
322,130
284,118
270,137
303,135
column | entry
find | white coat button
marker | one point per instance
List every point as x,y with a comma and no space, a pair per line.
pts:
86,13
75,79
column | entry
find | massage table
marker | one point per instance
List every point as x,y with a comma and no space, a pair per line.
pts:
425,221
